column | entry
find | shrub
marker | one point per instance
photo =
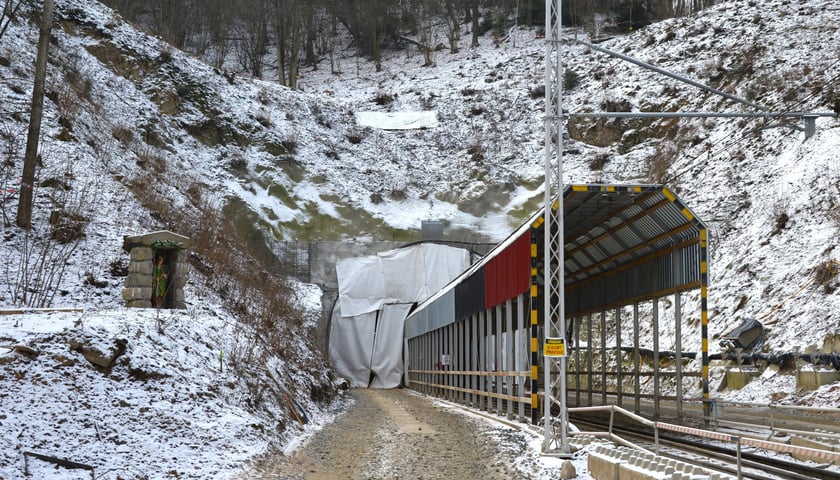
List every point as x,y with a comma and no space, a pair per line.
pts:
354,137
398,194
570,79
383,98
118,268
825,272
781,206
599,161
122,134
476,152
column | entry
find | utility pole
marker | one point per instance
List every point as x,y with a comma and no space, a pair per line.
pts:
30,159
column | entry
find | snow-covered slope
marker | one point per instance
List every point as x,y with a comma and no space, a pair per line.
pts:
123,107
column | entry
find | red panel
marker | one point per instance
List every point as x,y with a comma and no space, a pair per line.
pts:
509,273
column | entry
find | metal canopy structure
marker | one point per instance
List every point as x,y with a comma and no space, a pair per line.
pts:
621,245
628,244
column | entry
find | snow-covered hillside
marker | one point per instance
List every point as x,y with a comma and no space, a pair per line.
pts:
123,107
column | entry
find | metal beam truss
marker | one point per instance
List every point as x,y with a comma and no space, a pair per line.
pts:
594,382
556,429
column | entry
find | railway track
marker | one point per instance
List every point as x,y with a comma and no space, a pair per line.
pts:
716,456
747,422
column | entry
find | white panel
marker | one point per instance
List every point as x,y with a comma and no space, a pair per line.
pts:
351,347
387,364
398,120
361,285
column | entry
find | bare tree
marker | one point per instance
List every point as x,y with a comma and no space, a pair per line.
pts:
452,16
175,20
252,35
30,159
287,34
10,10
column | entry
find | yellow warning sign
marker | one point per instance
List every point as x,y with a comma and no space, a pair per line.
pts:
554,347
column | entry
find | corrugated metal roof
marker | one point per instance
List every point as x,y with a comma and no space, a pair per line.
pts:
623,244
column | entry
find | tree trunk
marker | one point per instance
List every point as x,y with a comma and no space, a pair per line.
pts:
24,214
474,7
280,39
377,52
294,52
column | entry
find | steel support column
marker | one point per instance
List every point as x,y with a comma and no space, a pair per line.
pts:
589,364
619,374
499,356
637,362
554,258
509,353
603,357
656,391
678,350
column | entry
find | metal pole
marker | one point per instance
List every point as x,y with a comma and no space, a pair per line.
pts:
678,349
771,115
499,354
656,391
618,354
603,357
482,352
637,361
589,364
576,332
554,301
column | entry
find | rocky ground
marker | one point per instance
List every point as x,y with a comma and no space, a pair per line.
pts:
398,434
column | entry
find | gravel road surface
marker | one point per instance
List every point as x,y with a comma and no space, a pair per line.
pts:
398,434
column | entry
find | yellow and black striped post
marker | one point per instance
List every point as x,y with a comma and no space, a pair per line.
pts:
704,320
535,403
704,306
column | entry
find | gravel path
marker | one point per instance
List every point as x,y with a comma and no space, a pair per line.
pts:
398,434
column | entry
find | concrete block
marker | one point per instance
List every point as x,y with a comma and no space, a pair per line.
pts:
813,379
140,266
138,280
137,293
634,472
603,467
139,304
738,378
141,254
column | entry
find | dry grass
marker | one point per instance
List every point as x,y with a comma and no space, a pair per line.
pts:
258,295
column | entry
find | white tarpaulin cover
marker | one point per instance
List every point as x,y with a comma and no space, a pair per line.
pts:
351,346
387,362
404,275
375,296
397,120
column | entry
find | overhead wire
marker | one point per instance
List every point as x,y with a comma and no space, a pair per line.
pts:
727,143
